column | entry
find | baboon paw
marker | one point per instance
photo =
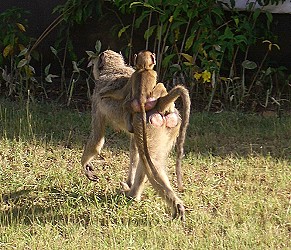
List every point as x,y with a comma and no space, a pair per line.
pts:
172,120
157,120
89,172
179,212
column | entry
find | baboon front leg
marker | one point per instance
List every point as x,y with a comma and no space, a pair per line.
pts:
94,144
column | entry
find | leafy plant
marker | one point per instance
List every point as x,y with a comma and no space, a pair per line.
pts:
67,90
17,73
195,38
74,12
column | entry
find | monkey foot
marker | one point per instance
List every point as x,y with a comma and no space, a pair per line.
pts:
179,212
89,172
157,120
124,187
172,120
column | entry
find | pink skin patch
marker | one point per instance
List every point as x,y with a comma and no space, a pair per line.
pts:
150,104
171,120
157,120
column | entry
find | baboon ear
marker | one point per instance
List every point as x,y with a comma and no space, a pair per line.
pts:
101,61
153,56
134,59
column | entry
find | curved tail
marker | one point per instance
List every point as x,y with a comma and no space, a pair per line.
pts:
163,102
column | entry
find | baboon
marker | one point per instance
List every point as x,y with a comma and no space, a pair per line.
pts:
112,74
144,91
160,141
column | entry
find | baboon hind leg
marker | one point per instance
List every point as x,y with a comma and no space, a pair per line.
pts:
134,158
94,144
161,184
161,91
138,185
160,141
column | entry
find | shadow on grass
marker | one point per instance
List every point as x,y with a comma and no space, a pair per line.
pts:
50,123
227,133
57,206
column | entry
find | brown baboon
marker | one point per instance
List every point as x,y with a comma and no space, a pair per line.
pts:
144,91
112,74
160,141
142,83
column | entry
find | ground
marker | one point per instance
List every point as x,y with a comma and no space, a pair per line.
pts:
236,175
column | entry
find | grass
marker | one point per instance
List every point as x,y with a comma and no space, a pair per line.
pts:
236,174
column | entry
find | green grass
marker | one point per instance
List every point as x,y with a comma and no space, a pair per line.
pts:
236,174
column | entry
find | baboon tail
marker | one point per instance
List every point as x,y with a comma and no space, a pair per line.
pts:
182,134
153,169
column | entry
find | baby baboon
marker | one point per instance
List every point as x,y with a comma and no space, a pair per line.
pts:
142,82
112,75
143,87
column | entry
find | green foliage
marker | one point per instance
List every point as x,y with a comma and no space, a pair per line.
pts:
74,12
13,39
196,43
192,37
78,11
17,73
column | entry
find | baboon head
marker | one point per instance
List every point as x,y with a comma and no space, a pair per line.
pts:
110,60
144,60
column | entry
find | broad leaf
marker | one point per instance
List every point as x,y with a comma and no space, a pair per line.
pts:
249,64
187,57
22,63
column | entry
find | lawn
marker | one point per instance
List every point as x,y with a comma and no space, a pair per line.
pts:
236,174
